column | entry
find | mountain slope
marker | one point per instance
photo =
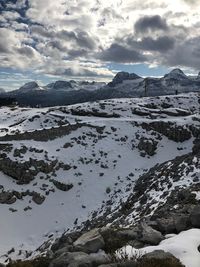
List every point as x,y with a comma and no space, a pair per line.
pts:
62,168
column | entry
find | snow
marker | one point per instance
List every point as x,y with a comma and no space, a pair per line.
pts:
183,246
116,154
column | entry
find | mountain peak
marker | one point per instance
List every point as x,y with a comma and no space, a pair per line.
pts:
29,86
176,74
122,76
62,84
177,71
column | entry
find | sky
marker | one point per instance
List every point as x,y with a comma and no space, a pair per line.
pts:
48,40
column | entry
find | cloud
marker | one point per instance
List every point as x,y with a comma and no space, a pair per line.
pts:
63,37
186,54
191,2
121,54
82,38
160,44
152,23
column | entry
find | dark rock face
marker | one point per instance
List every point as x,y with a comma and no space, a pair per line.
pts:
160,258
7,198
26,171
79,259
62,186
170,130
38,198
62,85
150,235
195,217
148,145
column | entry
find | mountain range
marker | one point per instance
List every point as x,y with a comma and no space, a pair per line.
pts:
123,85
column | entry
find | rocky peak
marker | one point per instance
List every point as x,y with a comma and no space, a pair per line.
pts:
176,74
62,85
122,76
29,86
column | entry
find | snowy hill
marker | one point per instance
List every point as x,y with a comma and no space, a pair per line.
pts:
63,168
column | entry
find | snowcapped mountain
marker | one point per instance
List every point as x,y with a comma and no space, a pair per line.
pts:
123,85
28,88
111,161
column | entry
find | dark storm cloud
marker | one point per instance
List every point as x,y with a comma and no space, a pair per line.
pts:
121,54
185,54
161,44
147,23
77,53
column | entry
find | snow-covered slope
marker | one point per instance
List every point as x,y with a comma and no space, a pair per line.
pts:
63,166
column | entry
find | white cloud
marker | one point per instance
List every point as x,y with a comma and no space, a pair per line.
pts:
63,35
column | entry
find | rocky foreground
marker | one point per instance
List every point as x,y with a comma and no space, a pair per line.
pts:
78,183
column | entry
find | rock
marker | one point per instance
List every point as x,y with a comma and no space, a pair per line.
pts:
181,222
65,240
130,234
90,242
38,198
148,145
7,197
80,259
195,217
158,254
61,186
121,264
150,235
166,225
157,257
65,259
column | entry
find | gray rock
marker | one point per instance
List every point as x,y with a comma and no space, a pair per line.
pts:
38,198
148,145
181,222
79,259
166,225
90,242
150,235
195,217
158,254
7,197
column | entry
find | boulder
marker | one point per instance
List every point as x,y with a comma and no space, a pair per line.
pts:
7,197
90,242
148,145
158,254
79,259
181,222
38,198
150,235
195,217
166,225
160,258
